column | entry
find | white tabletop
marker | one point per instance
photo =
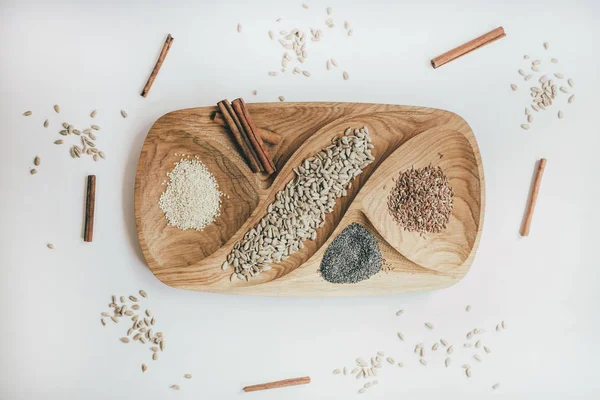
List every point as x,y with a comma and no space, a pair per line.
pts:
98,56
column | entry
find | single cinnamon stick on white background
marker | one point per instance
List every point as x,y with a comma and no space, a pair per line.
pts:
537,181
90,206
161,58
277,384
468,47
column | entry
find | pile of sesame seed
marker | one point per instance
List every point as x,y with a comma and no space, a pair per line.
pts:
192,199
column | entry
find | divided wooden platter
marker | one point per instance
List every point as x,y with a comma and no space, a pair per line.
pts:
403,137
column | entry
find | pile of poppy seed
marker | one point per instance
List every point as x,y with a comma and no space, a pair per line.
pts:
421,200
351,257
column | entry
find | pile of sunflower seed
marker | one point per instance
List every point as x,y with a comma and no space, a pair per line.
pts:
300,209
87,136
544,95
474,342
142,327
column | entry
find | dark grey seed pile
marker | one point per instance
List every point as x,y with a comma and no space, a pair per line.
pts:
421,200
351,257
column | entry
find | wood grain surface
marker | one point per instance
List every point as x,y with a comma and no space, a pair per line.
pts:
403,136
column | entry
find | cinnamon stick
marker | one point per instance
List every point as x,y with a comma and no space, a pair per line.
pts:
278,384
239,135
537,181
259,147
468,47
90,204
161,58
266,135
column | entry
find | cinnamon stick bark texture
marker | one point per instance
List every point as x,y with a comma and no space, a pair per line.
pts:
266,135
159,62
239,135
90,205
533,198
239,106
468,47
278,384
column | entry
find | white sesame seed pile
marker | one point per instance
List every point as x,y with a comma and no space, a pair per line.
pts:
192,199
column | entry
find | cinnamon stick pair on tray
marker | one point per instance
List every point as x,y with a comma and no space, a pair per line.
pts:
246,135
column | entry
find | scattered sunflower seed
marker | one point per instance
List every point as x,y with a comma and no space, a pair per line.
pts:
175,387
103,321
546,45
422,361
400,335
429,325
513,87
188,376
448,361
444,342
46,123
33,171
124,113
124,339
487,349
144,367
239,28
502,324
525,126
560,115
57,108
496,386
571,82
345,76
281,98
468,308
450,349
143,294
36,161
468,372
477,357
27,113
95,127
133,298
59,141
155,356
571,98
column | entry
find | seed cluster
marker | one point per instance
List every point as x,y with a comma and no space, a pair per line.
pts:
443,349
546,93
351,257
421,200
296,40
192,199
143,324
300,209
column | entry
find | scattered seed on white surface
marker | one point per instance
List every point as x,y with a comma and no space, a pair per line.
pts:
422,361
478,344
528,77
496,386
124,113
400,335
447,362
560,115
526,57
525,126
46,123
57,108
521,72
401,364
546,45
503,325
435,346
239,28
429,325
530,118
144,367
281,98
559,75
334,62
124,339
468,372
391,360
93,114
345,76
477,357
272,73
336,371
487,349
468,308
175,387
444,342
399,313
571,82
513,87
450,349
27,113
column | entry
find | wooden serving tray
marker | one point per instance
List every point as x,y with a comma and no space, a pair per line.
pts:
403,137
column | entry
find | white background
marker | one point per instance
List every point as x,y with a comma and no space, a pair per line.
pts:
87,56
